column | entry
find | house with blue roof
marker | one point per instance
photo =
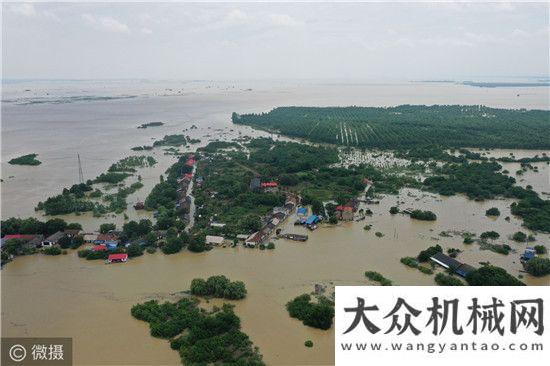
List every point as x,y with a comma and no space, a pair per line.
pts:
312,220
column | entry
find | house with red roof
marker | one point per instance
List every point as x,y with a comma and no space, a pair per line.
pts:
269,186
117,257
25,237
344,213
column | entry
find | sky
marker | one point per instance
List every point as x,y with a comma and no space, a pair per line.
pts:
231,41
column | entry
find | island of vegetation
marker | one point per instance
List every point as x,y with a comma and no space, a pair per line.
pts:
317,314
85,197
201,337
151,124
29,159
218,286
377,277
423,215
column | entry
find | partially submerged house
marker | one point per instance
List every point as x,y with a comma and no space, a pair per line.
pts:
447,262
35,242
117,257
344,213
528,254
24,237
90,237
104,238
301,211
311,222
254,239
99,248
214,240
30,241
111,244
53,239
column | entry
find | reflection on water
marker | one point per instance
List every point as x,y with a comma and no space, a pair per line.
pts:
90,301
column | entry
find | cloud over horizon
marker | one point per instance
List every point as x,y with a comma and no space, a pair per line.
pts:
278,40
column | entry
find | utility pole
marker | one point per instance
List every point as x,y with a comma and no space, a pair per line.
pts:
80,174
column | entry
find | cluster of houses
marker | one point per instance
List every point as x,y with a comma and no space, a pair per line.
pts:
184,182
278,215
37,241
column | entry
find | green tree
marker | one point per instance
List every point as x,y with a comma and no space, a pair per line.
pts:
425,255
490,235
199,287
217,285
173,245
446,280
493,211
134,250
55,225
235,291
538,267
65,242
492,276
519,236
105,228
197,244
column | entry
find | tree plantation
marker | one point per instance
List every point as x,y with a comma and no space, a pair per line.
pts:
408,125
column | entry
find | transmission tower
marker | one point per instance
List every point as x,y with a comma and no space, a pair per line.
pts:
80,174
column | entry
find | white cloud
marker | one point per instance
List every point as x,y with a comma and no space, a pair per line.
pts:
113,25
520,33
284,20
30,11
106,23
88,18
504,6
236,16
24,9
146,31
51,15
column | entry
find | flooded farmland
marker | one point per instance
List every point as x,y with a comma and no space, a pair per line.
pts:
90,302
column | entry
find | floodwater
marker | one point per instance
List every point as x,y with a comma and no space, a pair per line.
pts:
539,181
90,301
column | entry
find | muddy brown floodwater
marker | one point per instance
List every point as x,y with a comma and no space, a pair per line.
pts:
89,301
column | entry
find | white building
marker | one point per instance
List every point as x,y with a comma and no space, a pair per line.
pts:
215,240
